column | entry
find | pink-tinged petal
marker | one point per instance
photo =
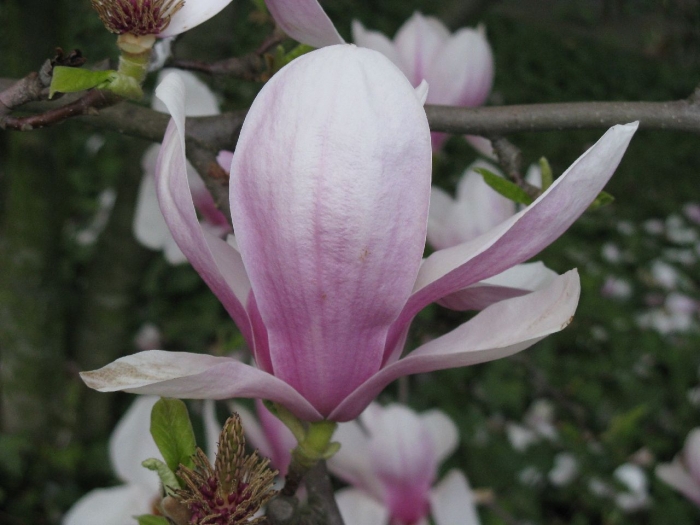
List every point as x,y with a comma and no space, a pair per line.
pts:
691,453
357,508
675,475
305,21
523,235
514,282
224,159
417,42
483,338
280,437
193,13
452,501
352,463
443,431
149,225
375,40
462,70
481,145
216,261
329,192
195,376
422,92
200,101
112,506
131,443
212,429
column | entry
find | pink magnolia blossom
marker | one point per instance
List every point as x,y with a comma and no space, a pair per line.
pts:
330,187
683,473
149,226
390,457
458,67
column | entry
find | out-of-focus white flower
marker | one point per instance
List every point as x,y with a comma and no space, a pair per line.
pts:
105,205
390,457
664,274
149,225
147,337
677,231
653,226
564,470
683,473
678,314
611,252
636,494
459,68
635,479
616,288
538,425
130,444
692,211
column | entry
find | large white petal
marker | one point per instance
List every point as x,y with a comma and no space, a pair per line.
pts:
112,506
200,101
443,431
375,40
305,21
503,329
193,13
675,475
452,501
357,508
131,443
195,376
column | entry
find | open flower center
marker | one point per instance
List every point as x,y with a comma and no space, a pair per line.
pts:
231,491
137,17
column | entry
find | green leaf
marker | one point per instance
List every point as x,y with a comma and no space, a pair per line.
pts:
172,431
167,476
71,79
603,199
506,188
546,170
150,519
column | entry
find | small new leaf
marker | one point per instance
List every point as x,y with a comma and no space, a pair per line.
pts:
150,519
506,188
603,199
546,171
71,79
167,476
172,431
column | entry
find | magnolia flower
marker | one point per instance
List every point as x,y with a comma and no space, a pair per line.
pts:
330,186
391,457
459,68
150,228
129,445
163,18
683,473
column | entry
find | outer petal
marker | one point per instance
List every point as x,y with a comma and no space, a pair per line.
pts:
131,443
503,329
352,463
113,506
691,453
200,101
217,262
452,501
305,21
280,437
417,42
357,508
524,234
375,40
462,70
329,192
195,376
192,14
675,475
443,431
514,282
